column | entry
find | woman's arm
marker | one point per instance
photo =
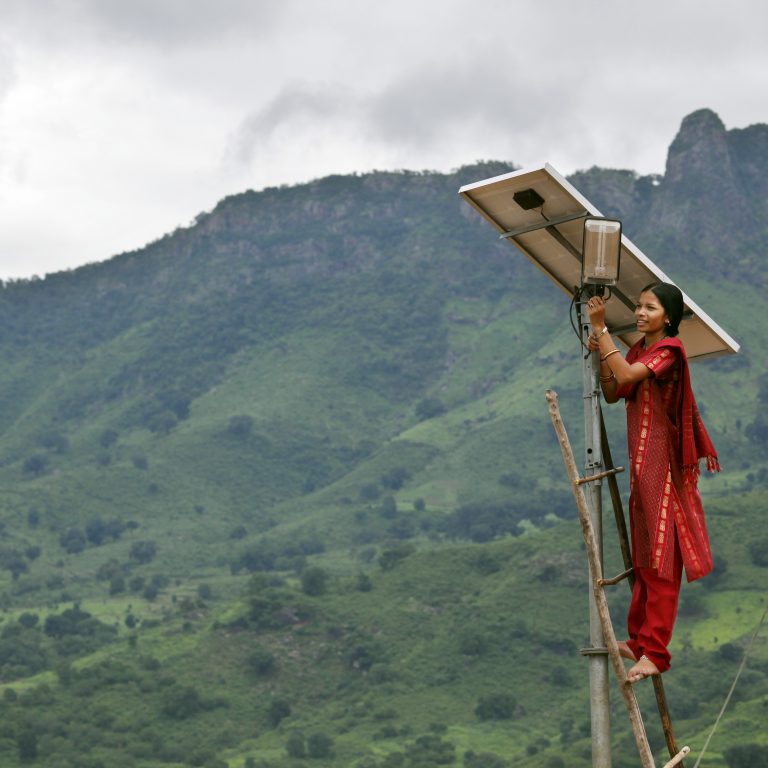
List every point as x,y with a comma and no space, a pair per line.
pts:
614,369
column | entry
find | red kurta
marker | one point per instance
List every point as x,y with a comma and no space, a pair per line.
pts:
666,439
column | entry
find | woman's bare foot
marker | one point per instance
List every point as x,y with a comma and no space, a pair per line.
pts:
644,668
625,651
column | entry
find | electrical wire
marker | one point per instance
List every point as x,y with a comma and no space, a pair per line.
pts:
733,686
577,298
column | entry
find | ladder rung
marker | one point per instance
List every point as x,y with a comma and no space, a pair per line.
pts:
594,651
678,758
599,475
615,579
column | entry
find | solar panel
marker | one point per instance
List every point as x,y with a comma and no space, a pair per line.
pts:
543,216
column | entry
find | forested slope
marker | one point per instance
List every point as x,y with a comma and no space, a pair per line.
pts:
281,488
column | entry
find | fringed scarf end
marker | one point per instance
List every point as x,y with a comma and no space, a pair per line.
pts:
691,472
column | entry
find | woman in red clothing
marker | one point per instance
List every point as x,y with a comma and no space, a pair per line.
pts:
666,439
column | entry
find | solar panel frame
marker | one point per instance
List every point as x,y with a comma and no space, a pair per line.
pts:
551,237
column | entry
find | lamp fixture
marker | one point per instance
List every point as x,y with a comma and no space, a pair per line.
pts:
601,251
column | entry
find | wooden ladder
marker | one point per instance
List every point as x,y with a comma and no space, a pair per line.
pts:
599,584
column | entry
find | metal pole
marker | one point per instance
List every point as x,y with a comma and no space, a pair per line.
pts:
599,697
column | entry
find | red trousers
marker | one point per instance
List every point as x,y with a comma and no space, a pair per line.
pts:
653,611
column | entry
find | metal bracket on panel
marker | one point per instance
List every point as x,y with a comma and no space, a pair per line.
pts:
542,224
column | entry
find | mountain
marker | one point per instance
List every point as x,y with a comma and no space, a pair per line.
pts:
280,487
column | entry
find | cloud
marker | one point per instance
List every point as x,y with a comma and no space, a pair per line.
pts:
147,23
433,115
298,105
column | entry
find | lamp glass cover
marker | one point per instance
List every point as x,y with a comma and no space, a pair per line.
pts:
601,251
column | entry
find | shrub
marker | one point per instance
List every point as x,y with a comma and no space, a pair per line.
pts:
485,760
364,583
388,507
240,426
389,558
182,702
35,465
473,644
395,478
370,492
319,745
730,652
313,581
496,706
430,750
108,437
429,408
758,551
747,756
262,662
143,551
72,540
140,462
294,746
278,710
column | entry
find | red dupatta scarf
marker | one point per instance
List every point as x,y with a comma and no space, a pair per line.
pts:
695,443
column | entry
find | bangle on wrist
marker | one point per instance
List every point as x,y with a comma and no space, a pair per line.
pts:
606,379
602,333
608,354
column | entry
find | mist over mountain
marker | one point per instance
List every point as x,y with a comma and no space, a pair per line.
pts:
280,486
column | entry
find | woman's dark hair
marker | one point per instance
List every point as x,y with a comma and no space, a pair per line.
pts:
671,299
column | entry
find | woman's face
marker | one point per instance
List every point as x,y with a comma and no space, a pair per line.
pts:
650,314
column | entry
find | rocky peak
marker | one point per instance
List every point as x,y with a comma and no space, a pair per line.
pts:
699,154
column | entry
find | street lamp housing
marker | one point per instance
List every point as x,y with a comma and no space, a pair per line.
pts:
601,251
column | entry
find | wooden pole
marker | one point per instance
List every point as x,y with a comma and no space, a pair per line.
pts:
625,687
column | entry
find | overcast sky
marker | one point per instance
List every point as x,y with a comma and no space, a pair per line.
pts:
123,119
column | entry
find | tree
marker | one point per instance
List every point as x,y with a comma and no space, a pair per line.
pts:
429,408
262,662
319,745
370,492
108,437
278,710
486,760
388,507
364,583
395,478
54,441
163,422
26,742
758,551
747,756
240,426
294,746
143,551
72,540
496,706
182,702
389,558
313,581
36,465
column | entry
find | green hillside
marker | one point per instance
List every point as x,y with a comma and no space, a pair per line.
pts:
280,488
